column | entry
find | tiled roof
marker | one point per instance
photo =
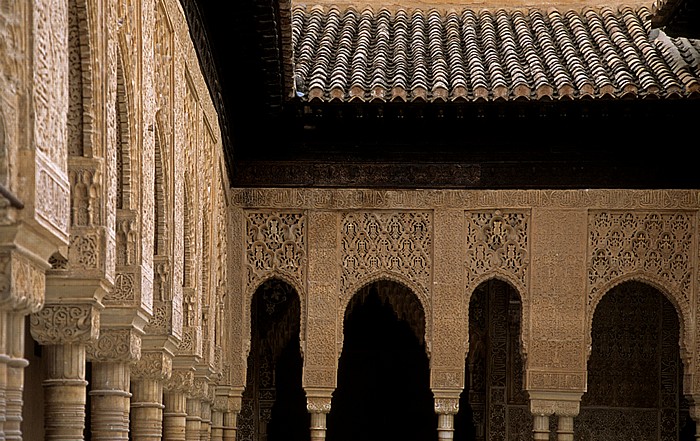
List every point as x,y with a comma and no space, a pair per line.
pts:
487,55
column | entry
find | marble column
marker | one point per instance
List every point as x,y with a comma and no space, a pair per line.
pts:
110,400
194,419
446,408
15,377
318,404
174,416
217,424
205,430
64,331
147,378
230,425
540,430
146,409
64,392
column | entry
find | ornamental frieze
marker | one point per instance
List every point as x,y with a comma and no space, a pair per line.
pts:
319,198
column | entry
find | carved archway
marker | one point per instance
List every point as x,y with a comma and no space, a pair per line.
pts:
383,375
635,372
274,403
494,404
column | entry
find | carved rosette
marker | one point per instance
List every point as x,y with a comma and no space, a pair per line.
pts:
58,324
115,345
497,243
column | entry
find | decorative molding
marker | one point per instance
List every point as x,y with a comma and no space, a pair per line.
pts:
115,345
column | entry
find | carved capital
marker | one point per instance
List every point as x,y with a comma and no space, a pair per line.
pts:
318,401
181,380
155,365
447,406
60,324
115,345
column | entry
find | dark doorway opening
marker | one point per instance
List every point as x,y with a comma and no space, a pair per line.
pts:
274,402
635,374
493,405
383,391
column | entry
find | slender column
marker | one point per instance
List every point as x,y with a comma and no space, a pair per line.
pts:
174,416
541,428
194,419
318,403
446,409
205,431
110,398
146,409
64,392
217,425
230,425
64,330
147,377
565,429
4,360
15,377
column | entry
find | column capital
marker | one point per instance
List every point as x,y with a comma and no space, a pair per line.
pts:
181,380
155,365
116,345
57,324
319,400
446,405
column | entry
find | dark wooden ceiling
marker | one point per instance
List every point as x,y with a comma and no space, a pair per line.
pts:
272,141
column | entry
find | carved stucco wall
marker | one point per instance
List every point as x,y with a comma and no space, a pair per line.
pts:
548,245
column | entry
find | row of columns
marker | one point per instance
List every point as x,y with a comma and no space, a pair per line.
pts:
124,408
565,407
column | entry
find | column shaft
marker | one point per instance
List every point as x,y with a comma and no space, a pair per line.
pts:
174,416
146,409
194,419
230,426
565,429
15,377
64,391
205,432
110,398
541,428
318,426
217,425
446,426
